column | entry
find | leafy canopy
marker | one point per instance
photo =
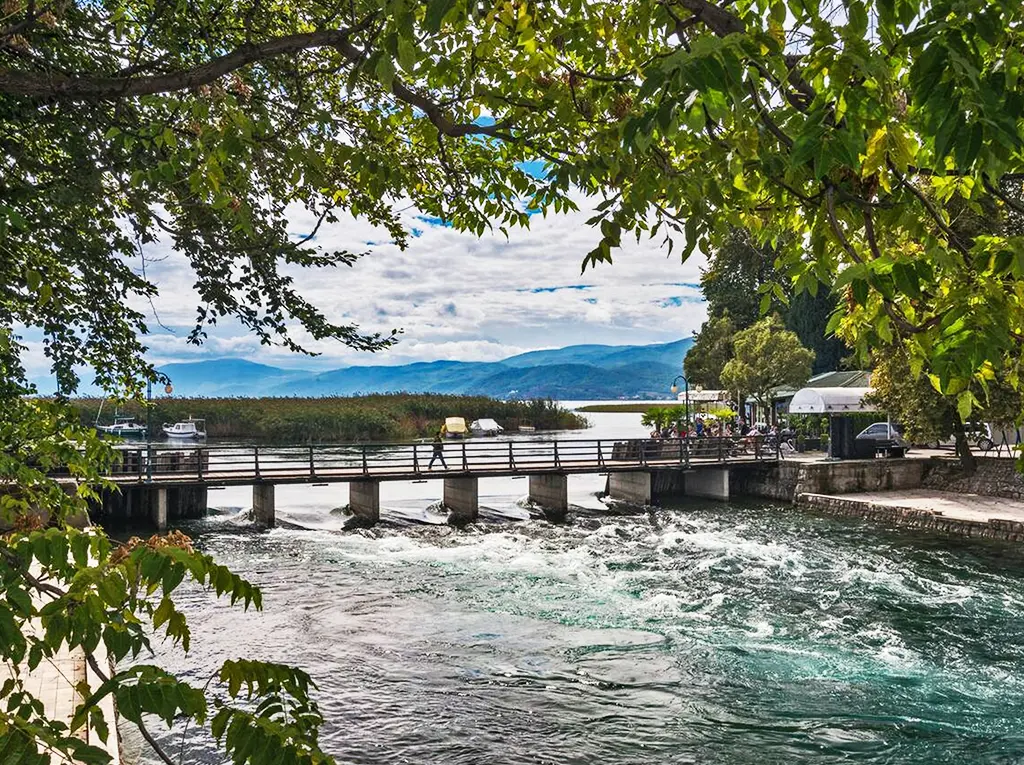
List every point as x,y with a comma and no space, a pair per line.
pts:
767,357
847,135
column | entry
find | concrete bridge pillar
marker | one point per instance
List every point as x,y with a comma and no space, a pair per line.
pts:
364,501
462,497
711,482
634,487
158,508
263,508
551,492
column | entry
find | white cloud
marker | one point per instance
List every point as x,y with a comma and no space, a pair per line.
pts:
456,296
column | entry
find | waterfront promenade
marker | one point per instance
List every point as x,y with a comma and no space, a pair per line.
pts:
56,682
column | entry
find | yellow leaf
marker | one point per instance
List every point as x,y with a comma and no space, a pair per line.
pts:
874,160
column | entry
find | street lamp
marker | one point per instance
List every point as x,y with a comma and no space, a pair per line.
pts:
149,426
686,389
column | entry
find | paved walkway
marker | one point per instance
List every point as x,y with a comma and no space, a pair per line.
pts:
963,507
53,683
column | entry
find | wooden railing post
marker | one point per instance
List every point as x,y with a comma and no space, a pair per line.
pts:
720,448
256,459
600,454
687,444
312,467
557,462
416,458
138,458
511,457
465,462
199,461
366,465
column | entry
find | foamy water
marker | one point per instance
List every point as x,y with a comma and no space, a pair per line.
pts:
705,633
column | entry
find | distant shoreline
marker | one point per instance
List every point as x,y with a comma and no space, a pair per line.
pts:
636,408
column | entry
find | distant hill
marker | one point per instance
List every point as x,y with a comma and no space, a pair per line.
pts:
578,381
605,356
228,377
575,372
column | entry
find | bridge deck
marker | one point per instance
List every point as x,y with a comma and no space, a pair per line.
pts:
221,466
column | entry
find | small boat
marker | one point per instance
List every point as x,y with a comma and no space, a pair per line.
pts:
123,426
485,427
454,427
190,428
527,428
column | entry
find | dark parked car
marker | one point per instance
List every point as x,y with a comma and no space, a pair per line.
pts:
887,436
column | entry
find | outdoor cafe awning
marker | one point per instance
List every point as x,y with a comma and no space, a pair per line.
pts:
831,401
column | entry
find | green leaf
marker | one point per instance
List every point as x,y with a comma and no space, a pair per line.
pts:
436,11
20,600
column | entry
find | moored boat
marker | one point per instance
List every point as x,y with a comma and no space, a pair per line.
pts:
485,427
454,427
191,428
123,426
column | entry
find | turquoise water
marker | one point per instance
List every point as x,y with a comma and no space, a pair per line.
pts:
704,633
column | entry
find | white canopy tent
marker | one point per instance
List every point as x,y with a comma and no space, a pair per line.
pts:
831,401
834,402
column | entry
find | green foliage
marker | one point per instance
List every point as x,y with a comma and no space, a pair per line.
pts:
335,419
767,357
740,284
928,415
712,348
660,417
808,315
737,275
847,152
85,591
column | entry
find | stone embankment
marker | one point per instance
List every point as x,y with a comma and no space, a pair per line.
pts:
931,493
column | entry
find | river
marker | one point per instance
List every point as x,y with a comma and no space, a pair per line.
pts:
702,633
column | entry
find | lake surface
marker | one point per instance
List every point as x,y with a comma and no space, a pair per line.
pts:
703,633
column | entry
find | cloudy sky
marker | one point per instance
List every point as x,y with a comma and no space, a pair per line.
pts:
456,296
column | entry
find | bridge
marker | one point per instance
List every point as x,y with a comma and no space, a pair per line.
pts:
170,479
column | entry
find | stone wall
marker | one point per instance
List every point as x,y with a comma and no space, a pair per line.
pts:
908,517
769,481
995,477
785,480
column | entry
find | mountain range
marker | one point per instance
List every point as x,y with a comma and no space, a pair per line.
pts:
575,372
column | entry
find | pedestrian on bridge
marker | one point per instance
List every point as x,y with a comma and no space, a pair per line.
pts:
438,453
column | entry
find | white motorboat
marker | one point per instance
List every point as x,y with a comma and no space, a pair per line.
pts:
485,427
191,428
124,426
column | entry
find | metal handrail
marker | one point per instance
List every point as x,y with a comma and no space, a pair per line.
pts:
216,463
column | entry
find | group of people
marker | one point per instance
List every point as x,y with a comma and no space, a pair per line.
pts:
737,429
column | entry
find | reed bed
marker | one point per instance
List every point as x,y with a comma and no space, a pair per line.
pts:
337,419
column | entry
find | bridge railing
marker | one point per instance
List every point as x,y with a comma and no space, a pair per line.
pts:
260,462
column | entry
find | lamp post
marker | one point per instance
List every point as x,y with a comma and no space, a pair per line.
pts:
686,389
149,431
149,426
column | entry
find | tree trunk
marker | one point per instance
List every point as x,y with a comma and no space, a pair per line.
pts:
963,448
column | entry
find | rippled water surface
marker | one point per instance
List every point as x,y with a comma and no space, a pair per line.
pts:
748,633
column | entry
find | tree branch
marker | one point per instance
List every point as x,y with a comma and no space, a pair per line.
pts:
950,233
152,742
50,85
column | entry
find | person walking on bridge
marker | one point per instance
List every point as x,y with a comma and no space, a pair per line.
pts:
438,453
